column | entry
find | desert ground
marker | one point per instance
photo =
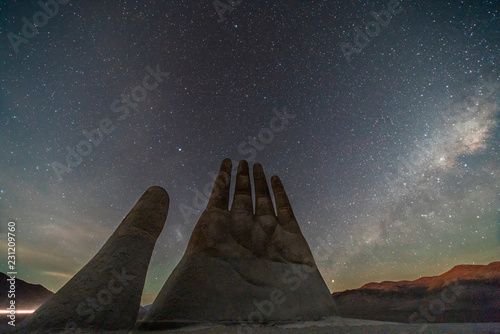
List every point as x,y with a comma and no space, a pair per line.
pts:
340,325
325,326
328,326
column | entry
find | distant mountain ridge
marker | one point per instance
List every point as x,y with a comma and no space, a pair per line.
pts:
461,272
466,293
28,296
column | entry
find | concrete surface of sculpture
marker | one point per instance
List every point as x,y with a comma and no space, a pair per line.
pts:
241,265
106,293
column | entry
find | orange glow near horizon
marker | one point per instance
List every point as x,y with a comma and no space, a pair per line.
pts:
17,312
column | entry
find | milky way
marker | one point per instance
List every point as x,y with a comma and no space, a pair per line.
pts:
389,151
433,192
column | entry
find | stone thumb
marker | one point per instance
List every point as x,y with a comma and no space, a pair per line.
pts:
106,293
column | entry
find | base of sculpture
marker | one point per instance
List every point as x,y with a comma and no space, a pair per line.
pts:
205,289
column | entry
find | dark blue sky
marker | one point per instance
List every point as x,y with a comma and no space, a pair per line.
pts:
386,139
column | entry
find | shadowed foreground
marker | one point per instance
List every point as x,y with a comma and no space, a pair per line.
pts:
326,326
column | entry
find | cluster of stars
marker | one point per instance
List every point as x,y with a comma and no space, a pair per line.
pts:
391,161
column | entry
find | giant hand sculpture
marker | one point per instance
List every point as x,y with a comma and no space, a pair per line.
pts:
242,266
106,293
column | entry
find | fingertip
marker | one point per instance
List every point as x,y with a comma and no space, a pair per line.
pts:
284,209
226,165
220,191
158,191
148,214
258,171
264,204
243,166
242,199
276,181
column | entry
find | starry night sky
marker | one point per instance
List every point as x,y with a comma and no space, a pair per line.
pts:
391,159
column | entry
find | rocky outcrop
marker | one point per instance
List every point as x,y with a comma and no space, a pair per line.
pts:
243,265
466,293
106,293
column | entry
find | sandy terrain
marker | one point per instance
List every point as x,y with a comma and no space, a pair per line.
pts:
339,325
326,326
